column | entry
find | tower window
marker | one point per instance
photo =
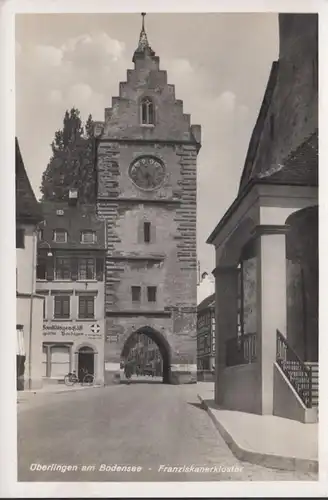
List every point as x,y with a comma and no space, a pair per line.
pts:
147,232
147,111
151,290
136,293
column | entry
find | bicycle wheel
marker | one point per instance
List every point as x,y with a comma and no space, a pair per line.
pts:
88,379
69,380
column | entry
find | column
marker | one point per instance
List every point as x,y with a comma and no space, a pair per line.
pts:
271,301
226,321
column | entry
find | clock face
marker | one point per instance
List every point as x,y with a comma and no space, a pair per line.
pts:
147,173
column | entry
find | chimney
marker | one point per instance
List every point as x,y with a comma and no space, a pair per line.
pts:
73,197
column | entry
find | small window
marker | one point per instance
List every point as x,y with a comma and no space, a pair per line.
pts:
147,232
62,307
151,290
86,306
40,235
20,238
44,308
86,269
147,111
88,237
60,236
63,268
136,293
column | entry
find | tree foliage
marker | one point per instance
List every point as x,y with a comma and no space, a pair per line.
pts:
72,162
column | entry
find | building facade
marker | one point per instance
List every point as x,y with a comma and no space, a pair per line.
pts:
206,337
267,244
29,304
146,168
145,357
70,276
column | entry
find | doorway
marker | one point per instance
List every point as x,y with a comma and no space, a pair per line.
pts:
86,362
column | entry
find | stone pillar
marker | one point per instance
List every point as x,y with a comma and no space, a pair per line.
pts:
271,303
226,321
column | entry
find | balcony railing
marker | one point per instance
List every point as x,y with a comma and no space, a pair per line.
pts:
241,350
298,374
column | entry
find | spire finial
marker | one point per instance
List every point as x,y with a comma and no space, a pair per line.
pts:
143,45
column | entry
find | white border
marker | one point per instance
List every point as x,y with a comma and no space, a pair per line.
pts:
8,485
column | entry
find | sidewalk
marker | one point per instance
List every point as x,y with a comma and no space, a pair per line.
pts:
52,389
265,440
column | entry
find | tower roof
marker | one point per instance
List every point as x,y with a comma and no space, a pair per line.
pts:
143,45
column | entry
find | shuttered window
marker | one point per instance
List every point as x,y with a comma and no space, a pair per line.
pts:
62,306
86,306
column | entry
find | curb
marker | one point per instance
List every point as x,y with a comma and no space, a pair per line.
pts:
258,458
65,391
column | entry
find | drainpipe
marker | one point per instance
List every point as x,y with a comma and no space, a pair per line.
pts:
31,310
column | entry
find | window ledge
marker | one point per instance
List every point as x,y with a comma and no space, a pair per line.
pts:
87,281
61,319
147,125
87,320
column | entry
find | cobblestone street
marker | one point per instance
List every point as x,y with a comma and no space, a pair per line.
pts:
141,425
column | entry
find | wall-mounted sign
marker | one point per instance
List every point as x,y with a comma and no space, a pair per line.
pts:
92,331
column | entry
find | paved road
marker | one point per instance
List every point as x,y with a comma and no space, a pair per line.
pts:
142,425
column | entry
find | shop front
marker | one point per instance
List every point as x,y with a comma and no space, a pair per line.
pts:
75,347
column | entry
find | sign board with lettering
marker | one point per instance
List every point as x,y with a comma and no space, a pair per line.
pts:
59,331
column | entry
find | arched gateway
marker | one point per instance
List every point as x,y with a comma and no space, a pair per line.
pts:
162,344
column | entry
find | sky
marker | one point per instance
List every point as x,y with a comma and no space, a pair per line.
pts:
219,64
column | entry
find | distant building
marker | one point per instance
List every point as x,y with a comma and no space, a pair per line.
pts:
206,286
206,336
145,354
70,276
29,303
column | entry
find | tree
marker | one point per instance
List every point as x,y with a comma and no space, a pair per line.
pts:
72,162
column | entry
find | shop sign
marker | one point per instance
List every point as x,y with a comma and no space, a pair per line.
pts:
78,330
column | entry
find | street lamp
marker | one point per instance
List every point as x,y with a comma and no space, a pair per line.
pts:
33,276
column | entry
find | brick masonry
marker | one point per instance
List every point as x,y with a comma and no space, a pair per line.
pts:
169,261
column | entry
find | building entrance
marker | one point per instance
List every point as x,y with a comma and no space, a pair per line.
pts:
86,361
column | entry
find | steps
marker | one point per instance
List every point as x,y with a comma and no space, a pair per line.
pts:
314,365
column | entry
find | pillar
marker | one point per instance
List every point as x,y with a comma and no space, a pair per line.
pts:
271,303
226,321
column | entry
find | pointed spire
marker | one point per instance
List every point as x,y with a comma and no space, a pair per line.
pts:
143,45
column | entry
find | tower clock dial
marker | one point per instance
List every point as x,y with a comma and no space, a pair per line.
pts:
147,173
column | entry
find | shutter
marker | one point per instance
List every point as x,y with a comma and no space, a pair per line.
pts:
74,268
50,268
100,269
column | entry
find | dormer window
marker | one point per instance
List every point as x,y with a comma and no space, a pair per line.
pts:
60,236
88,237
147,111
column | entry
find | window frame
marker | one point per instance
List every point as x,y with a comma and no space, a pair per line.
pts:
89,231
86,259
152,290
56,278
147,232
62,315
147,110
136,288
86,298
55,233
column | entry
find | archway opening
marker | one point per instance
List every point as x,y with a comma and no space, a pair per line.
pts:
86,361
146,357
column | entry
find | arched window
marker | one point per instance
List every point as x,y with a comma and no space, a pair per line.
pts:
147,111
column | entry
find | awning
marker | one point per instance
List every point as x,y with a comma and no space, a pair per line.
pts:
20,348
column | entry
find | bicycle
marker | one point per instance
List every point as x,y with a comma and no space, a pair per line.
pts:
71,378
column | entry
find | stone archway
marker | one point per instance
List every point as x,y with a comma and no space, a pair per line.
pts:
162,344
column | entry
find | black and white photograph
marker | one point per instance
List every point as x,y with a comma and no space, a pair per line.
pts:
167,278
